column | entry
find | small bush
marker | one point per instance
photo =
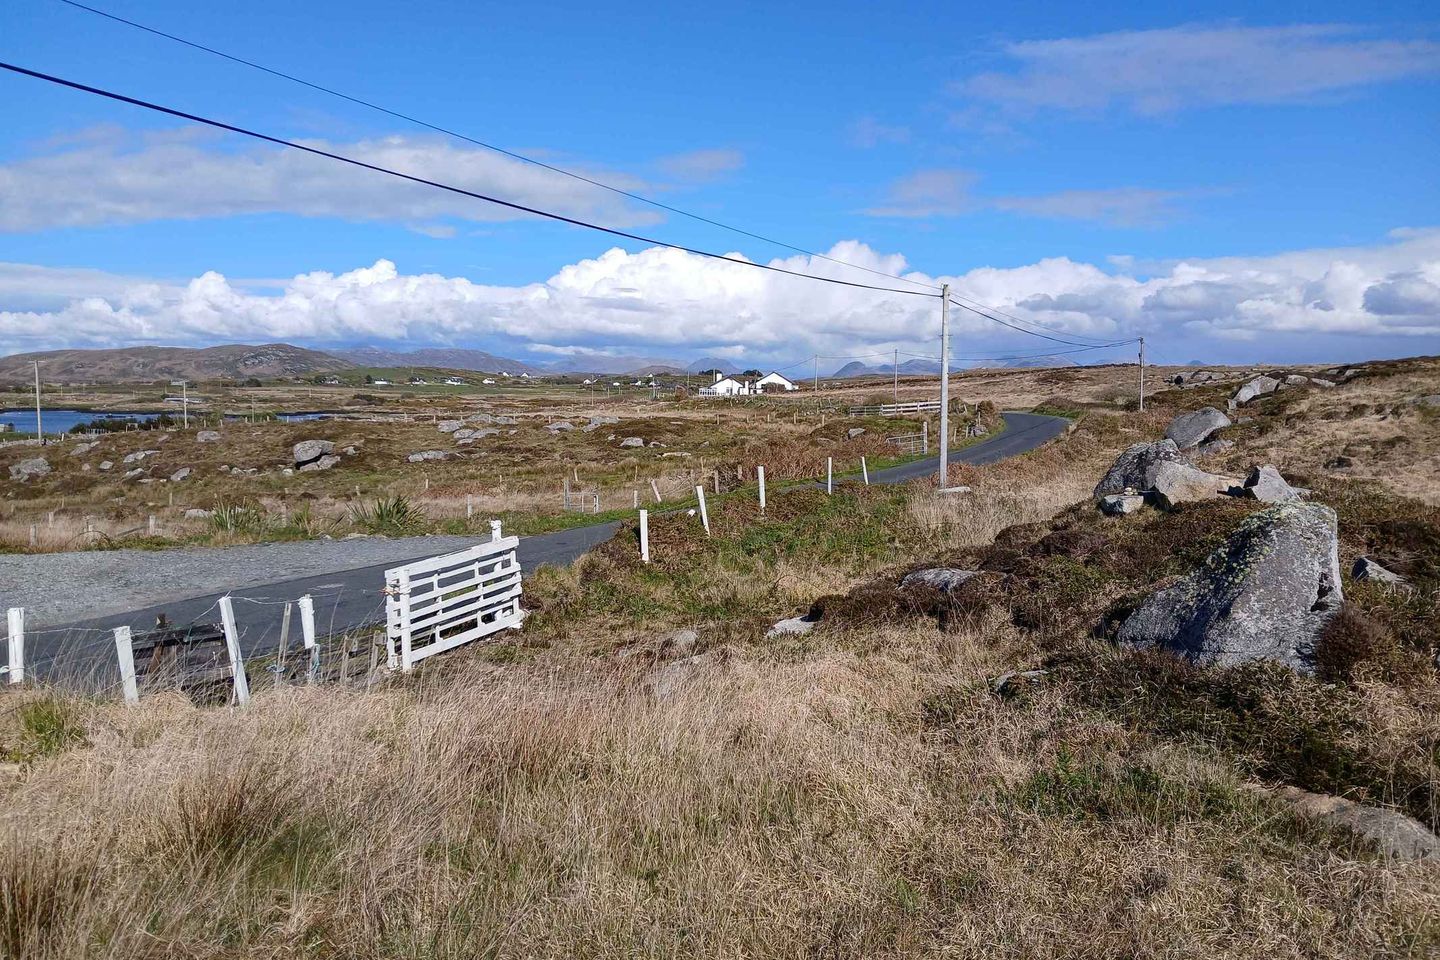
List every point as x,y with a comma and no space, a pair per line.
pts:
390,515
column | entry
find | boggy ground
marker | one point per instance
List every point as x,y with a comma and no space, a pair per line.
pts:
588,789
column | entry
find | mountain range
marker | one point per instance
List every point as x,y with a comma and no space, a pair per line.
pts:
448,358
233,361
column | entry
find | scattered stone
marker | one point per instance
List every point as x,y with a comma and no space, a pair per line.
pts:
1265,594
450,426
560,426
199,513
1189,430
1321,382
356,536
1258,387
423,455
674,676
792,626
1268,486
854,432
106,464
287,471
1119,504
307,451
633,442
1177,483
1296,380
1393,833
675,453
224,468
80,449
207,436
460,436
1367,569
138,455
180,474
505,421
25,469
1135,468
324,463
1339,463
598,422
1014,678
1211,447
349,451
681,643
944,579
135,474
487,432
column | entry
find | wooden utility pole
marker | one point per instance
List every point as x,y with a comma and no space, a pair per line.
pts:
39,432
944,386
817,375
1142,374
897,374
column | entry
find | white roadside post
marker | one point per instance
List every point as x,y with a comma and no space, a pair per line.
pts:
125,654
15,621
704,516
307,635
944,386
865,471
829,474
232,647
760,471
645,536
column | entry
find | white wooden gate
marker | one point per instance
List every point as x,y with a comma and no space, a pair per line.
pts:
441,603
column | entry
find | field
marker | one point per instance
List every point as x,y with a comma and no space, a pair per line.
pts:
599,786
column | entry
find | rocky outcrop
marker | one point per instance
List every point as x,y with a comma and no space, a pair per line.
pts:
1393,833
1266,485
1119,504
1212,447
1264,595
1258,387
944,579
324,462
1189,430
25,469
1135,468
1177,483
308,451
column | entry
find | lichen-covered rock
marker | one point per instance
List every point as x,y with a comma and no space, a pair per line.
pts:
560,426
1265,484
449,426
1258,387
324,463
792,626
1119,504
80,449
138,455
599,421
421,456
207,436
1367,569
1135,468
1177,483
180,474
1265,594
1393,833
25,469
307,451
945,579
1189,430
633,442
1211,447
854,432
1296,380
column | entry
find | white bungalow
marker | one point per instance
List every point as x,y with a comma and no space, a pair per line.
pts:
727,387
774,382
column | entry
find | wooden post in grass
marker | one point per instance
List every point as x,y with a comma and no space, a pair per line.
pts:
865,471
284,646
32,535
717,481
15,622
126,655
307,636
645,536
655,489
704,516
925,434
232,647
636,504
469,506
829,474
760,472
151,525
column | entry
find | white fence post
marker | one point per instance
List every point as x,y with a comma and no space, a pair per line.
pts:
925,432
407,644
284,646
125,653
704,516
232,647
15,618
829,474
760,471
307,635
865,471
645,536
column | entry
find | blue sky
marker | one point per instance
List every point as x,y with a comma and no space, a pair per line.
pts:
1259,184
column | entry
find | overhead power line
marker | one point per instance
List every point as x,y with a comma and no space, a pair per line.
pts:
973,303
279,141
1043,336
359,101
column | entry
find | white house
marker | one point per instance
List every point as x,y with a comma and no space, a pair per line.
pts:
727,387
773,382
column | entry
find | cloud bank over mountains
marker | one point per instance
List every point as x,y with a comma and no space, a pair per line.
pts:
662,300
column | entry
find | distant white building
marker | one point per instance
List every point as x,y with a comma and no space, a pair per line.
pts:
733,387
774,381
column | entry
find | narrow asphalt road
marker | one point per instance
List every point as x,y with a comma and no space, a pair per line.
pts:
349,598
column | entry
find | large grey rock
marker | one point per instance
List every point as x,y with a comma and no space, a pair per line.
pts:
1367,569
1211,447
633,442
1393,833
449,426
1265,594
944,579
560,426
1296,380
421,456
180,474
1265,484
1135,468
1258,387
80,449
1321,382
324,463
792,626
854,432
1189,430
138,455
25,469
207,436
1177,483
307,451
599,421
1119,504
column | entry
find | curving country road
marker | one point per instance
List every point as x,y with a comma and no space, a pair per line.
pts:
344,598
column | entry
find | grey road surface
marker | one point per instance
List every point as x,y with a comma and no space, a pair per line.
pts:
76,599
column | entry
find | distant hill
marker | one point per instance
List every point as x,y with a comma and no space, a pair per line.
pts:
1030,362
131,364
658,369
446,358
713,363
604,363
909,368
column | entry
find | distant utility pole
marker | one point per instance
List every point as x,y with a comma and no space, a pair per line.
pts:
1142,374
944,386
817,374
184,386
897,374
39,432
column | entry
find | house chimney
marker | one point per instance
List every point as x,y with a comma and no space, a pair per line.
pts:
719,376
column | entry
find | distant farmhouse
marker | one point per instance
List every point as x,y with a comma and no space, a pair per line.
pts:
732,387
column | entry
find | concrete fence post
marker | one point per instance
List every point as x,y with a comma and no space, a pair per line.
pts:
829,474
232,648
865,471
15,623
760,472
645,536
125,654
704,516
307,636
